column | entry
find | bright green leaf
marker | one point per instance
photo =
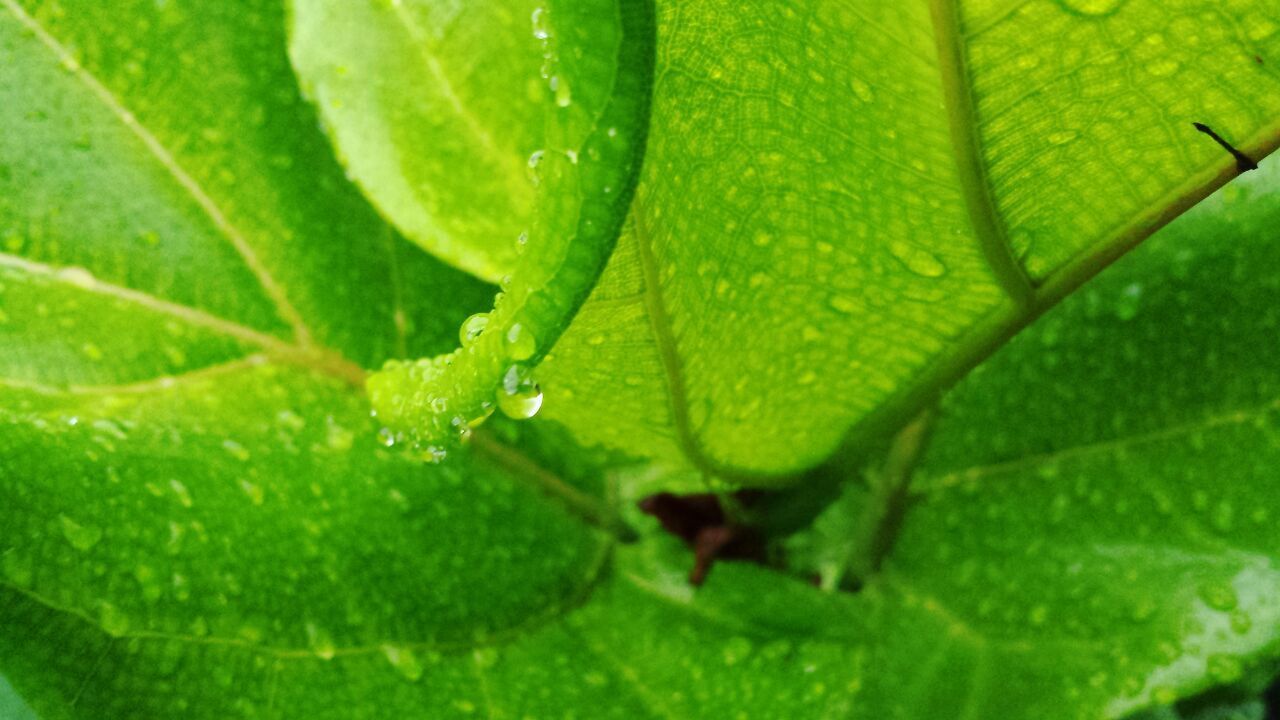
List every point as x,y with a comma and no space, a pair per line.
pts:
196,519
436,109
598,70
159,156
845,206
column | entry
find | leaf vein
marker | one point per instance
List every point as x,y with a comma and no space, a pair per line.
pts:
166,159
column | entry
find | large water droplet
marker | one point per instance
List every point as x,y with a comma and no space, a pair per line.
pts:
472,327
519,397
541,30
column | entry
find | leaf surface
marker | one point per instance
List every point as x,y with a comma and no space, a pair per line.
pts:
598,68
845,206
232,544
436,109
134,165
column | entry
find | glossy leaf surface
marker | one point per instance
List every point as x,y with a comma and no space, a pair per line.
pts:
232,544
196,519
437,110
846,205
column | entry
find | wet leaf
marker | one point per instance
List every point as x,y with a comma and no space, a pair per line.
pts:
198,518
589,118
845,206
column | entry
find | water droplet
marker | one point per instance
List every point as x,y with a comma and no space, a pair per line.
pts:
1241,623
472,327
917,259
521,345
114,622
404,662
1062,137
1223,516
1038,615
387,437
81,537
1225,668
534,161
17,569
560,88
519,397
184,495
236,450
338,438
1091,8
254,492
432,454
736,650
541,31
320,642
1219,596
862,90
1129,302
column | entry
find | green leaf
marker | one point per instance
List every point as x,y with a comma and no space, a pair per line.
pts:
195,519
135,166
844,207
436,109
599,62
275,563
1123,475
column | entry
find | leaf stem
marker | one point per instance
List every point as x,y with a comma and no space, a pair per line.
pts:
890,496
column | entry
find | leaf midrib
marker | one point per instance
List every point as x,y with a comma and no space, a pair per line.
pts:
273,290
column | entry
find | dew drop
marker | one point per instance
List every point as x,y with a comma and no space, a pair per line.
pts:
432,454
1129,302
1225,668
403,661
338,438
1091,8
184,495
736,650
534,161
387,437
1219,596
17,569
236,450
560,88
519,398
1062,137
320,642
81,537
1241,623
1163,67
541,30
917,259
521,344
113,622
862,90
